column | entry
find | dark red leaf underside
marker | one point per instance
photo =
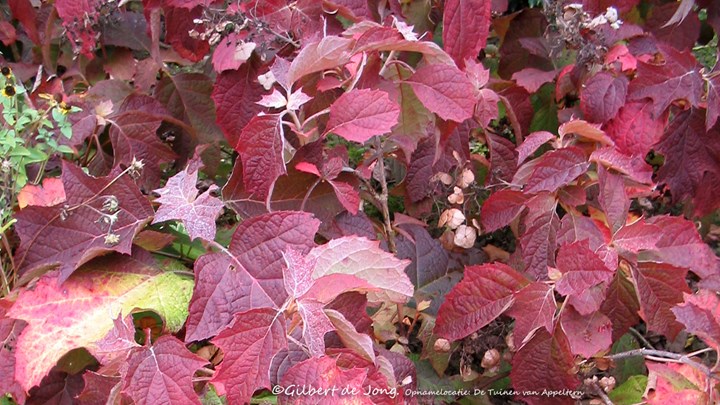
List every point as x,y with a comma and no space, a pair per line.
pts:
50,238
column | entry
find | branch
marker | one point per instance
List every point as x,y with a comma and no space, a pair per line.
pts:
601,393
668,357
383,197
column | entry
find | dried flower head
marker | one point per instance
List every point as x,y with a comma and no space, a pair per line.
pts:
111,204
112,239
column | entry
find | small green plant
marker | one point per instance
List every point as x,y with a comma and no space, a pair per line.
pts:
28,135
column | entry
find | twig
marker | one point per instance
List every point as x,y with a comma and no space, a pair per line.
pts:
640,338
667,357
307,194
384,196
390,57
601,393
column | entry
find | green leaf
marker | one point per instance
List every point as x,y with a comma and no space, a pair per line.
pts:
65,149
630,392
625,368
66,131
545,118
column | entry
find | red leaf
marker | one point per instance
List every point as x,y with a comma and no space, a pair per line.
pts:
117,343
556,169
577,228
544,363
533,309
538,242
345,190
680,245
531,79
613,198
501,208
681,36
92,299
423,167
179,200
317,375
23,11
585,131
79,17
678,78
360,343
429,259
248,346
361,114
363,258
50,193
676,384
466,25
8,35
99,388
10,329
178,23
590,301
250,274
347,194
236,94
660,287
621,305
297,273
188,97
231,52
133,135
261,149
79,227
531,144
288,194
487,107
315,325
587,335
689,152
581,269
414,123
187,3
328,53
637,236
634,129
503,158
700,313
713,99
632,166
58,388
162,373
602,96
444,90
483,295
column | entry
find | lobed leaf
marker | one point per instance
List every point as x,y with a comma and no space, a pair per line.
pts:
80,312
444,90
361,114
162,373
485,293
248,344
69,237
